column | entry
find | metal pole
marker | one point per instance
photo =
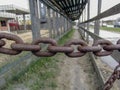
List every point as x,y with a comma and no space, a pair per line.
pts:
39,6
64,24
61,24
49,22
8,26
57,24
54,20
97,22
88,17
34,19
24,20
67,25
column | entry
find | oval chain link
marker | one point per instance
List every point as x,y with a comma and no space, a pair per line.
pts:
12,37
103,43
75,42
45,41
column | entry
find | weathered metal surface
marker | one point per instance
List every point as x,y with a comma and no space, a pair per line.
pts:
100,47
115,75
71,9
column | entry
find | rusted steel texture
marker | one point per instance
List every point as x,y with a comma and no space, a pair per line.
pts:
115,75
73,48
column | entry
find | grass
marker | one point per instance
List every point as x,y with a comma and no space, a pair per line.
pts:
40,75
66,37
111,29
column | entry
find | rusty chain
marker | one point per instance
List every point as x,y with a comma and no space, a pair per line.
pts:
99,48
115,75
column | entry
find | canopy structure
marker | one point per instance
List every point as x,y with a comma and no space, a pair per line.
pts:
68,8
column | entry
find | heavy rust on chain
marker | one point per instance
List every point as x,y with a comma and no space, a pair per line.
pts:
115,75
99,48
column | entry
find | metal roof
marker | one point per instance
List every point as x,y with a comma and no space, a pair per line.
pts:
68,8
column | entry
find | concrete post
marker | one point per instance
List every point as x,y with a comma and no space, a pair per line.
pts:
34,19
24,21
49,22
97,22
88,17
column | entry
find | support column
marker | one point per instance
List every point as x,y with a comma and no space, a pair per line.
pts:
8,26
39,7
57,24
83,24
34,19
24,21
64,24
88,17
97,22
54,23
61,25
67,25
49,22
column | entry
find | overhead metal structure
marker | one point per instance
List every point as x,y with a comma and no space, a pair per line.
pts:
71,9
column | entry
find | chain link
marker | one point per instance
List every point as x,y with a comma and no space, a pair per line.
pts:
12,37
115,75
99,48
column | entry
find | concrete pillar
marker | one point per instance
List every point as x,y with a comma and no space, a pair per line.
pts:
24,21
97,22
49,22
88,17
34,19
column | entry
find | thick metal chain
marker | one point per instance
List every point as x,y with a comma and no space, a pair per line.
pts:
115,75
99,48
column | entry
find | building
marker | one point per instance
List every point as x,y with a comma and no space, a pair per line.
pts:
9,16
117,23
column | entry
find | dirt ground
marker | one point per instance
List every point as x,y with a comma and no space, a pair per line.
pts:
26,37
76,73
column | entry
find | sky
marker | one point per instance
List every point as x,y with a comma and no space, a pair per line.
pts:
106,4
